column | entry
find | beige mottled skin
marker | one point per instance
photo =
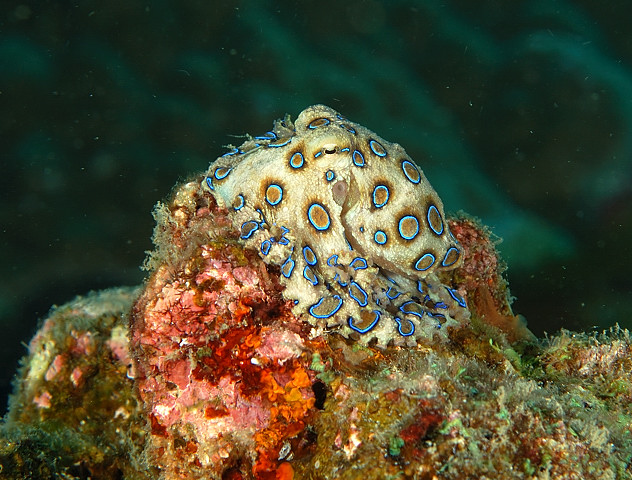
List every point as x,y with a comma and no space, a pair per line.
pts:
356,225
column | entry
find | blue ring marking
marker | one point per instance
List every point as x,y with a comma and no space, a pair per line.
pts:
399,227
369,327
377,148
278,188
361,229
411,165
258,210
346,149
295,302
432,208
288,264
420,286
283,240
310,276
410,312
308,252
234,151
440,305
330,175
318,154
349,129
388,196
340,117
362,298
399,327
328,314
209,183
358,158
338,278
348,244
380,237
448,253
267,136
437,316
458,298
319,122
241,204
390,295
309,217
222,175
297,160
423,258
249,228
265,246
362,264
333,261
282,144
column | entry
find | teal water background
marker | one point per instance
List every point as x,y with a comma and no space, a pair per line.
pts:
519,113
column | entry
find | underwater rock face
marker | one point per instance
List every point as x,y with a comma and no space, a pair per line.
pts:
356,228
75,408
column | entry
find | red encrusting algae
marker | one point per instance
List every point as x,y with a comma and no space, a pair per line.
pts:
481,279
222,364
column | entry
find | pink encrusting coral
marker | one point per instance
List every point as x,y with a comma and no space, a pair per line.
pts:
222,364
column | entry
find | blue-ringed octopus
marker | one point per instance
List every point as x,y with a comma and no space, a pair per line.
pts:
356,230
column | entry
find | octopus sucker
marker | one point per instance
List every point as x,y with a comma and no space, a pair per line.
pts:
357,231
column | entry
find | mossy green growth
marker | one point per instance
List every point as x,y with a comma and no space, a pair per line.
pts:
395,446
317,363
74,411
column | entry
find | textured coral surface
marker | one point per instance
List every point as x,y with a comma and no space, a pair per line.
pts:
74,412
222,364
229,384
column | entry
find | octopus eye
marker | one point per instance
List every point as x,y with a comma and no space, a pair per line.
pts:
329,148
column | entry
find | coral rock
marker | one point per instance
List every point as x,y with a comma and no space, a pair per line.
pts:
222,363
223,378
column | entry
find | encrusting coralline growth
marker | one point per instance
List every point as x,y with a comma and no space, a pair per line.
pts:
213,370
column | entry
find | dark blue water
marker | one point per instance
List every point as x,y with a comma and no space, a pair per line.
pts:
519,113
